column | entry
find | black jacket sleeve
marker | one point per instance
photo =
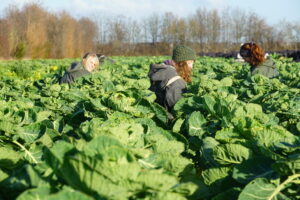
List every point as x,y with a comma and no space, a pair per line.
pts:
174,93
67,78
75,71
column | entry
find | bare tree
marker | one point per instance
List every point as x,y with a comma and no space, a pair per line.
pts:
4,39
86,32
238,25
16,30
226,36
214,28
154,27
199,28
117,29
101,23
36,31
181,31
297,34
167,30
255,28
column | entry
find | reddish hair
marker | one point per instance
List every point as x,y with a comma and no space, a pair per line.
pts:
256,53
184,71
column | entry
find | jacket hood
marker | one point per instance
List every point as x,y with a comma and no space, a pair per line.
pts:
267,68
75,67
161,72
269,63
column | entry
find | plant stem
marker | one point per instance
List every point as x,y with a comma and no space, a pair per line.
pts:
281,186
26,151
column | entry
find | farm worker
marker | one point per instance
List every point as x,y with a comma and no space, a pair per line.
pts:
89,63
168,79
255,56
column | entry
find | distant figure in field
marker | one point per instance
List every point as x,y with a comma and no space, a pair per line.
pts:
89,63
168,79
255,56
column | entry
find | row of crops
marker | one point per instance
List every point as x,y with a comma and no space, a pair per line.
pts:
103,137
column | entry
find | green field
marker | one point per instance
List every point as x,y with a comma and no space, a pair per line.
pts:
234,136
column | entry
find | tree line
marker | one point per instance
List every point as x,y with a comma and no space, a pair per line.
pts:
36,33
32,31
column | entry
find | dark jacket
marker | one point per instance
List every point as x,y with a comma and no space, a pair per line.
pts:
166,95
75,71
267,68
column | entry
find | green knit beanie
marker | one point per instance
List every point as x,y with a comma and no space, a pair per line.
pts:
182,53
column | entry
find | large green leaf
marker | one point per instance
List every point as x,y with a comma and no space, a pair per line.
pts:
161,144
100,145
33,154
226,82
160,113
43,115
35,177
187,189
156,180
298,126
230,194
21,179
54,156
9,158
92,175
209,104
128,133
3,175
252,109
262,189
256,167
196,124
7,126
69,194
228,135
46,193
287,166
231,154
212,175
36,193
271,136
31,132
166,196
206,150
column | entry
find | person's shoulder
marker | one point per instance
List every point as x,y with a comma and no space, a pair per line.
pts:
268,69
159,64
162,66
180,81
74,66
268,63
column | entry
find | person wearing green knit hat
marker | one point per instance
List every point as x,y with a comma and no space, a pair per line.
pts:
168,79
183,53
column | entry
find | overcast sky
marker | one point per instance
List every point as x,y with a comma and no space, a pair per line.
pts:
272,10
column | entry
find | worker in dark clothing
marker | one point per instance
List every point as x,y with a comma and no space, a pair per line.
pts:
89,63
168,79
255,56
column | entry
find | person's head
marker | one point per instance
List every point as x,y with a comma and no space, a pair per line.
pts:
184,58
90,61
252,53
